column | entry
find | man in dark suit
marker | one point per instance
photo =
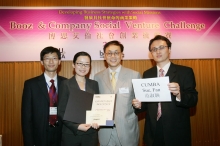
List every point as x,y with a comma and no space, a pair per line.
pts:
168,123
40,125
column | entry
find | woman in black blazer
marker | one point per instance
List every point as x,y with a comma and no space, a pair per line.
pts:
78,134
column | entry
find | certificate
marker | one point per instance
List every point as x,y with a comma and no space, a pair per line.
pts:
152,89
106,103
98,117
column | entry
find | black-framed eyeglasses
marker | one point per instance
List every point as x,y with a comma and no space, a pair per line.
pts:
161,47
47,59
109,54
82,64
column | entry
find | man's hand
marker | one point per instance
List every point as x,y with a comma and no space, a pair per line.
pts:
136,103
175,89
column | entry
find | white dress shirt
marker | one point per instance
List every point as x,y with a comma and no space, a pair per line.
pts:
49,83
117,71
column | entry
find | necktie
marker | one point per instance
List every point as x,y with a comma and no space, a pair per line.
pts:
113,81
159,112
53,102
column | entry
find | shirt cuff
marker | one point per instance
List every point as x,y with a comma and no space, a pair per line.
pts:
177,99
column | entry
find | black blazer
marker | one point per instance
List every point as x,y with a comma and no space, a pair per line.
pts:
35,111
175,115
65,91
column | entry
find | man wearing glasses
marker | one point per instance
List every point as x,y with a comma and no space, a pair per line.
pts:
40,124
117,79
168,123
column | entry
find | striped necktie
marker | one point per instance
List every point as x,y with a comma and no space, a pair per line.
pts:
159,112
53,102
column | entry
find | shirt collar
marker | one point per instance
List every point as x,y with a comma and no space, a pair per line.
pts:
165,68
49,78
117,70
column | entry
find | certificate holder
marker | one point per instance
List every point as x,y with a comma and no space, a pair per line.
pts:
152,89
78,103
106,103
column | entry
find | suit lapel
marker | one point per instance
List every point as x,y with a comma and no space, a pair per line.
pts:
171,72
73,83
153,73
43,86
58,82
121,78
88,86
154,105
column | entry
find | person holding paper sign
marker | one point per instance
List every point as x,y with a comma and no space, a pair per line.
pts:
75,134
168,123
117,79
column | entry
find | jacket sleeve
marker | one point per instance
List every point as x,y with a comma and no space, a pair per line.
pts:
63,99
189,95
26,116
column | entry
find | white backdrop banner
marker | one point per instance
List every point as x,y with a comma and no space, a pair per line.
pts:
25,31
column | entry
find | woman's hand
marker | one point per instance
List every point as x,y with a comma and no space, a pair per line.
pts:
95,125
84,127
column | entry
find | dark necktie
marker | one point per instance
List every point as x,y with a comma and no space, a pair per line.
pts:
159,112
53,102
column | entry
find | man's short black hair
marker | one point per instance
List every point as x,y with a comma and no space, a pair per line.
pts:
49,49
116,43
160,37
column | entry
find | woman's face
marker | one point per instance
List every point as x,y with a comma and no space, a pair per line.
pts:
82,66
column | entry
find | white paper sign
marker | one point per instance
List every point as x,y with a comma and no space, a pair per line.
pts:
96,117
152,89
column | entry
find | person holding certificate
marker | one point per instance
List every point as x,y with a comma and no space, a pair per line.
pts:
78,134
117,79
168,123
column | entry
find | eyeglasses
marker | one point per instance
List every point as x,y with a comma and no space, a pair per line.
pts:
48,59
109,54
82,64
161,47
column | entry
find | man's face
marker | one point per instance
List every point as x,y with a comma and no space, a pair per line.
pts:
113,56
160,51
50,62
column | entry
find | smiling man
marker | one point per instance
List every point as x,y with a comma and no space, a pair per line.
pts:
40,124
168,123
117,79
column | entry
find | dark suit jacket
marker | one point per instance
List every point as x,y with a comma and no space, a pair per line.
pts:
65,92
35,111
175,115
